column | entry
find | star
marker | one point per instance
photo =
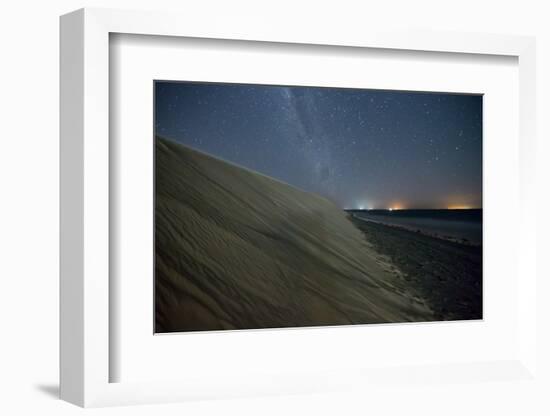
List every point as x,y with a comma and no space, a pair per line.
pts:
308,137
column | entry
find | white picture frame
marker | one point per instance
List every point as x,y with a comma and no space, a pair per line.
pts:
85,355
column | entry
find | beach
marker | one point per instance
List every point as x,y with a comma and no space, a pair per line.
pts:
236,249
447,274
461,225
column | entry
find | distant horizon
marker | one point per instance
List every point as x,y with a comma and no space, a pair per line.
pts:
415,209
361,149
343,208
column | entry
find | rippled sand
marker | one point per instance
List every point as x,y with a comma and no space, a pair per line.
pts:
236,249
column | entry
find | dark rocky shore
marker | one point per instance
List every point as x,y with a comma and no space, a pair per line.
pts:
447,274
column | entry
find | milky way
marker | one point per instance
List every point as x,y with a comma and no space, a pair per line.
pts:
359,148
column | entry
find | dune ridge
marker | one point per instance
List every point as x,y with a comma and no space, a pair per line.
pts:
235,249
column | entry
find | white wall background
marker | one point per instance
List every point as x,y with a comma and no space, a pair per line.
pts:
29,203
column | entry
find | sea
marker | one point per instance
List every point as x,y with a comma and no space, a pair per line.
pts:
463,225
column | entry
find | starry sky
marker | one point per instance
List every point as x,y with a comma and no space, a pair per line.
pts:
362,149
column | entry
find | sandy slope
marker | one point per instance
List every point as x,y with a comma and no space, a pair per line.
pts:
236,249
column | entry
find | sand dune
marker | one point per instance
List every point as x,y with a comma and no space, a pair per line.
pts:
236,249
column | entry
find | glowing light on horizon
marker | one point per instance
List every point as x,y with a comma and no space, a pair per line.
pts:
336,143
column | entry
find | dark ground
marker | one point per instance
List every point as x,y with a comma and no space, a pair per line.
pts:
448,275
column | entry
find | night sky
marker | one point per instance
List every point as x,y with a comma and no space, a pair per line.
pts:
363,149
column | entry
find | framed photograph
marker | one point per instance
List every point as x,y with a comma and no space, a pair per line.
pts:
272,212
291,206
